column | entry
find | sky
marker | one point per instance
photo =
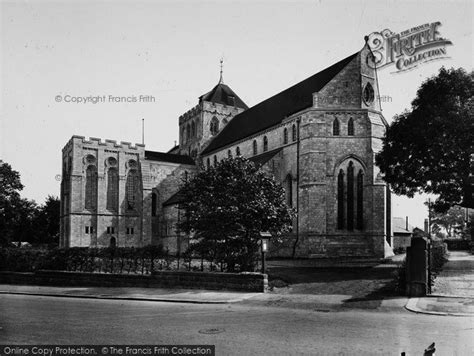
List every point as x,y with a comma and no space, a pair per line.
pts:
170,50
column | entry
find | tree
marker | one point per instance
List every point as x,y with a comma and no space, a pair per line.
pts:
452,221
10,187
46,221
227,206
427,149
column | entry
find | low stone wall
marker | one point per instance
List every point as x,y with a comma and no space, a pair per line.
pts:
250,282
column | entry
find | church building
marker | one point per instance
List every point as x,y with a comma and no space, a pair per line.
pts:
318,138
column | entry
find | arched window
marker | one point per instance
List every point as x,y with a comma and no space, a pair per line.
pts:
350,196
289,190
293,132
215,160
335,127
193,129
255,149
208,163
237,151
350,127
285,136
112,188
91,188
265,144
214,127
154,199
131,189
340,200
229,153
360,200
188,132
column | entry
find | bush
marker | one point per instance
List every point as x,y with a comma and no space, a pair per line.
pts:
401,278
438,253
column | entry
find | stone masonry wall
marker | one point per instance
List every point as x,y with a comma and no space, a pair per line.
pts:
250,282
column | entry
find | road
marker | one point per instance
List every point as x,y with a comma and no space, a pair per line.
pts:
238,328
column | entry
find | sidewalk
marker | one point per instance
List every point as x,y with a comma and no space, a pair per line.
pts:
453,291
314,285
145,294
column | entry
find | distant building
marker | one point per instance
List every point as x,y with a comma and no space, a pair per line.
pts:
318,138
402,233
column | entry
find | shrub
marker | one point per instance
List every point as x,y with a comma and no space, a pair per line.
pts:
82,259
401,278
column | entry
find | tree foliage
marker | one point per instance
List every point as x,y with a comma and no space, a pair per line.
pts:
452,221
227,206
22,219
427,149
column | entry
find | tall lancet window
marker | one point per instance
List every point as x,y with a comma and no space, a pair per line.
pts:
340,200
255,148
265,144
131,189
112,189
350,127
289,192
335,127
350,196
285,136
360,200
91,188
293,132
154,203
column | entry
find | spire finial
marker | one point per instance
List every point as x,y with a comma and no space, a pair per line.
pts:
221,79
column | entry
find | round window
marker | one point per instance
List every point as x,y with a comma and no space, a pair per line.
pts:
90,159
111,161
132,164
368,94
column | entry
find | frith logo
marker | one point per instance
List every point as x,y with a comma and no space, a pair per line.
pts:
409,48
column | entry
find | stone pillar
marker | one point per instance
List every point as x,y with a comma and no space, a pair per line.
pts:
417,268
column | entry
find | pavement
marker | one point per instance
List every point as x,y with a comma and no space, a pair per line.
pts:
320,288
453,290
147,294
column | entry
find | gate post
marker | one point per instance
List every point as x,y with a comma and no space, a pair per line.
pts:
417,268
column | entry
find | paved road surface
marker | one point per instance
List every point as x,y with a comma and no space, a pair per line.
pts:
242,329
457,276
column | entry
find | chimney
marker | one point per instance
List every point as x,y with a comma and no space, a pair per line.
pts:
426,226
406,223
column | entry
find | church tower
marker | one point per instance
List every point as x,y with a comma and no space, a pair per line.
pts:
215,109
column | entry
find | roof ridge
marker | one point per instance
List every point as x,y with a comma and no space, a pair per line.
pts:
274,109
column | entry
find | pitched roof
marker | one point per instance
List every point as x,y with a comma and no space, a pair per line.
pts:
263,158
168,157
176,198
272,111
222,94
399,226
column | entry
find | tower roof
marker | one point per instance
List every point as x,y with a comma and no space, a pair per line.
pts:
272,111
222,94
